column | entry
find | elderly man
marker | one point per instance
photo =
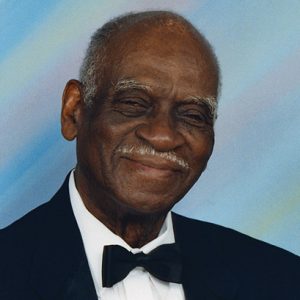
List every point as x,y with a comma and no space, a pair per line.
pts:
143,117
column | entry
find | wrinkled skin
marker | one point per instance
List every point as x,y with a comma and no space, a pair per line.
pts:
132,193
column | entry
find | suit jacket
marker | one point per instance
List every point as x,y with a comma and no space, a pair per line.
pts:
42,258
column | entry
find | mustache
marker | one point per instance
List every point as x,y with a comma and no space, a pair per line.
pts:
150,151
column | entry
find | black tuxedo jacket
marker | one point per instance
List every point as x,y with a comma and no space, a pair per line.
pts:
42,257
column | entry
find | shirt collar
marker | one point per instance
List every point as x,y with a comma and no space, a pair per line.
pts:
96,235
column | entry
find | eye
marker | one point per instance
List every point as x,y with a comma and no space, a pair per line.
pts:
194,116
131,107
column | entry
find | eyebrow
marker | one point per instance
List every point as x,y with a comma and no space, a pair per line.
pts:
209,101
130,84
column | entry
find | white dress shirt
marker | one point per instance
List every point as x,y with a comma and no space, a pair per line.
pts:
138,284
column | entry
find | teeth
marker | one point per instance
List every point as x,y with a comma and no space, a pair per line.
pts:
145,150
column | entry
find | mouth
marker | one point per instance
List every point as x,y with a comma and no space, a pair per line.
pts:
153,167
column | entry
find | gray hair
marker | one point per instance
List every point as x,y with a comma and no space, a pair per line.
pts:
92,69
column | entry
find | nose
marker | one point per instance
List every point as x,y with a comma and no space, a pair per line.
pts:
161,133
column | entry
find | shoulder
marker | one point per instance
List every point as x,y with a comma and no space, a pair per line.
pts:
258,267
242,252
38,221
19,242
26,227
229,239
20,239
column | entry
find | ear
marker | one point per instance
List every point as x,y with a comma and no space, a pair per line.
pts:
72,105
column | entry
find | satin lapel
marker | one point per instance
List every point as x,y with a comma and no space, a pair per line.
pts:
205,274
59,265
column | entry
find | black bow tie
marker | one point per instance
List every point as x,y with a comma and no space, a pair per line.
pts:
164,263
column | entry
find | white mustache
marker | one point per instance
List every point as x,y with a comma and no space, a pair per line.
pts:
146,150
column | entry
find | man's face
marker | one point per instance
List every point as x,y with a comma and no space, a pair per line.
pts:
150,133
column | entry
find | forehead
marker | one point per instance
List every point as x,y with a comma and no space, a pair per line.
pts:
168,59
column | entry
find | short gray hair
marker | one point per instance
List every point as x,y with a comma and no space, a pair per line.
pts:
92,68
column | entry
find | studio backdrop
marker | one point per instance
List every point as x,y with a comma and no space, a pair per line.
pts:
252,182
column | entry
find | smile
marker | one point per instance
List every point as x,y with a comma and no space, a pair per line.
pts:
153,167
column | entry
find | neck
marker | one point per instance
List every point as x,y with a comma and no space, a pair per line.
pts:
135,228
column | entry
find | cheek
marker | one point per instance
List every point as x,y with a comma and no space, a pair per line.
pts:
207,143
104,139
92,146
201,148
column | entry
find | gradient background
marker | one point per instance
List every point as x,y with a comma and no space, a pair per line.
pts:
252,181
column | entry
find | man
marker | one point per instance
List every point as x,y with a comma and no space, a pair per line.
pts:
143,116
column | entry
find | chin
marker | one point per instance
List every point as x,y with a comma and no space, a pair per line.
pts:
146,205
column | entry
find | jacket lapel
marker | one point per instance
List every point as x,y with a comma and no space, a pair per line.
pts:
205,274
59,265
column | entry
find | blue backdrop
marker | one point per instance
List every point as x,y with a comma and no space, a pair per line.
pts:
252,181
